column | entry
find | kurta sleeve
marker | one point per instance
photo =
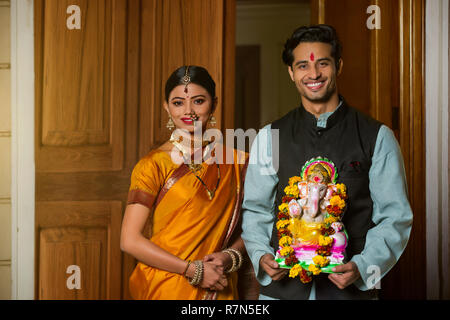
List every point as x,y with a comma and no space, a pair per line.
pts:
392,214
146,181
258,206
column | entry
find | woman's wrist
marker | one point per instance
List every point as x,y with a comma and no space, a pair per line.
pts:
186,268
236,259
197,278
227,261
190,272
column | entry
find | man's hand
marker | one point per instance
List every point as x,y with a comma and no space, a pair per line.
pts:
349,273
271,267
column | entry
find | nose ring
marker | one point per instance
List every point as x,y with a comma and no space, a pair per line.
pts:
194,116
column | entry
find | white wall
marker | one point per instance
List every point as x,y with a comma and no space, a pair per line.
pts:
22,149
5,152
437,152
269,26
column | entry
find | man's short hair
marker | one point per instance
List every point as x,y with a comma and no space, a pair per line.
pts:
316,33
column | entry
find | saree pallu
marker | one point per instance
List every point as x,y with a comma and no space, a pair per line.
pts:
185,222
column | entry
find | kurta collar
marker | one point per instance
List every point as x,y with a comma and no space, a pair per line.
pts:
327,119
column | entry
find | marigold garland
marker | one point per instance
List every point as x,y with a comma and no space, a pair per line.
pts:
314,269
334,213
286,251
294,271
305,276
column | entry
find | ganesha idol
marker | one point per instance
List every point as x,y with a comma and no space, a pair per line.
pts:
309,222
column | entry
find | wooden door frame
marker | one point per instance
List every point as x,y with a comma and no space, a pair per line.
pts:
412,140
22,150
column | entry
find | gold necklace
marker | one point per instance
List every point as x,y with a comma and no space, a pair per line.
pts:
210,193
195,167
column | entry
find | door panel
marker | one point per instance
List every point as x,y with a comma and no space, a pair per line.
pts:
354,81
191,33
71,247
84,234
82,100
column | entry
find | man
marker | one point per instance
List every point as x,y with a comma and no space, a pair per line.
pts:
369,162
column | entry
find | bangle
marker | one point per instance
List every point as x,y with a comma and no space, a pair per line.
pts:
233,258
240,257
187,267
198,275
234,267
236,264
199,269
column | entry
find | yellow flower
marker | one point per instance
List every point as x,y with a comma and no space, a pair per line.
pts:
325,241
286,251
321,261
337,201
330,220
294,271
294,180
285,241
314,269
282,224
283,206
341,188
291,191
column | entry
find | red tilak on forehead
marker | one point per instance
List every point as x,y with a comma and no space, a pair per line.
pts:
312,56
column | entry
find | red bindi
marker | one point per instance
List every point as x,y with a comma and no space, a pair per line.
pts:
312,56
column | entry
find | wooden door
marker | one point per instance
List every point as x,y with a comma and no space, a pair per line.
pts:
382,76
99,94
247,108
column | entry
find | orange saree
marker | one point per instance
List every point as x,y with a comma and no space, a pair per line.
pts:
185,222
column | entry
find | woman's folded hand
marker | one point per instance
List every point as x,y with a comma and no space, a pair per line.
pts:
213,276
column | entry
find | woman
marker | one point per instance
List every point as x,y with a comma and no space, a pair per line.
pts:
195,247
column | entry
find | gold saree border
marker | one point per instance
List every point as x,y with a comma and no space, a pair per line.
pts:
176,175
212,295
147,199
237,206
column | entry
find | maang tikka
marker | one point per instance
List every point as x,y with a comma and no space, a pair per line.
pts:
186,79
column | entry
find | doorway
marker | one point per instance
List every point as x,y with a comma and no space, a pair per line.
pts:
382,77
264,91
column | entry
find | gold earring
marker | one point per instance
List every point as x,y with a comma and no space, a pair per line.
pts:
170,125
212,121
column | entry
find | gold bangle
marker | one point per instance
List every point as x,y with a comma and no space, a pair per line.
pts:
240,257
195,277
198,275
187,267
233,258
